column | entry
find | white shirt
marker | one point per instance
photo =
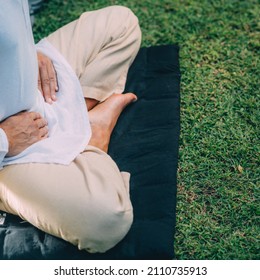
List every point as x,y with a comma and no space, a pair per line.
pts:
68,123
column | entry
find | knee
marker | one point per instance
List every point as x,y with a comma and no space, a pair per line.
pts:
107,227
124,14
127,19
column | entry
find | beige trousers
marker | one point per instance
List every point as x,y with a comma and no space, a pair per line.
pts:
100,46
86,203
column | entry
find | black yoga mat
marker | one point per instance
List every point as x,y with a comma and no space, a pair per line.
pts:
145,143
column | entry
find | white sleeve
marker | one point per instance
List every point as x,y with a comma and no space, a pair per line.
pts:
3,146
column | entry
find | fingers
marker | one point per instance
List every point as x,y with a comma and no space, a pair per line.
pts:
43,132
47,82
47,78
35,115
31,115
41,125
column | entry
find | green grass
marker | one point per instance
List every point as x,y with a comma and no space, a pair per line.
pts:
218,175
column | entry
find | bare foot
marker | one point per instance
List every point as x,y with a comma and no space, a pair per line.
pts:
104,116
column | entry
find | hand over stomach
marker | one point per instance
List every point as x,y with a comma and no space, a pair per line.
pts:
23,130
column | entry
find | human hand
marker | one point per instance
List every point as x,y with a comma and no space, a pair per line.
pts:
47,79
23,130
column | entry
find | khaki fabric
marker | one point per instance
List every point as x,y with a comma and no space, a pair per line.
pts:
87,202
100,46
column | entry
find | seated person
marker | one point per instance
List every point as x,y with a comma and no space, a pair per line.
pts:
55,170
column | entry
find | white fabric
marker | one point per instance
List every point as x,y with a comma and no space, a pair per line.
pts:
18,63
3,146
69,128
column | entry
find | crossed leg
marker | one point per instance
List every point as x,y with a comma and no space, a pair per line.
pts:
100,47
86,203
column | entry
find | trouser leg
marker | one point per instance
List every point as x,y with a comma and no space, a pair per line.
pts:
86,203
100,46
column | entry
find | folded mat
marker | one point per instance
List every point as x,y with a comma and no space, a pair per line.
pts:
145,143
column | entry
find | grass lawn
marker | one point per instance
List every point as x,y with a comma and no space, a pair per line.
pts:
218,175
